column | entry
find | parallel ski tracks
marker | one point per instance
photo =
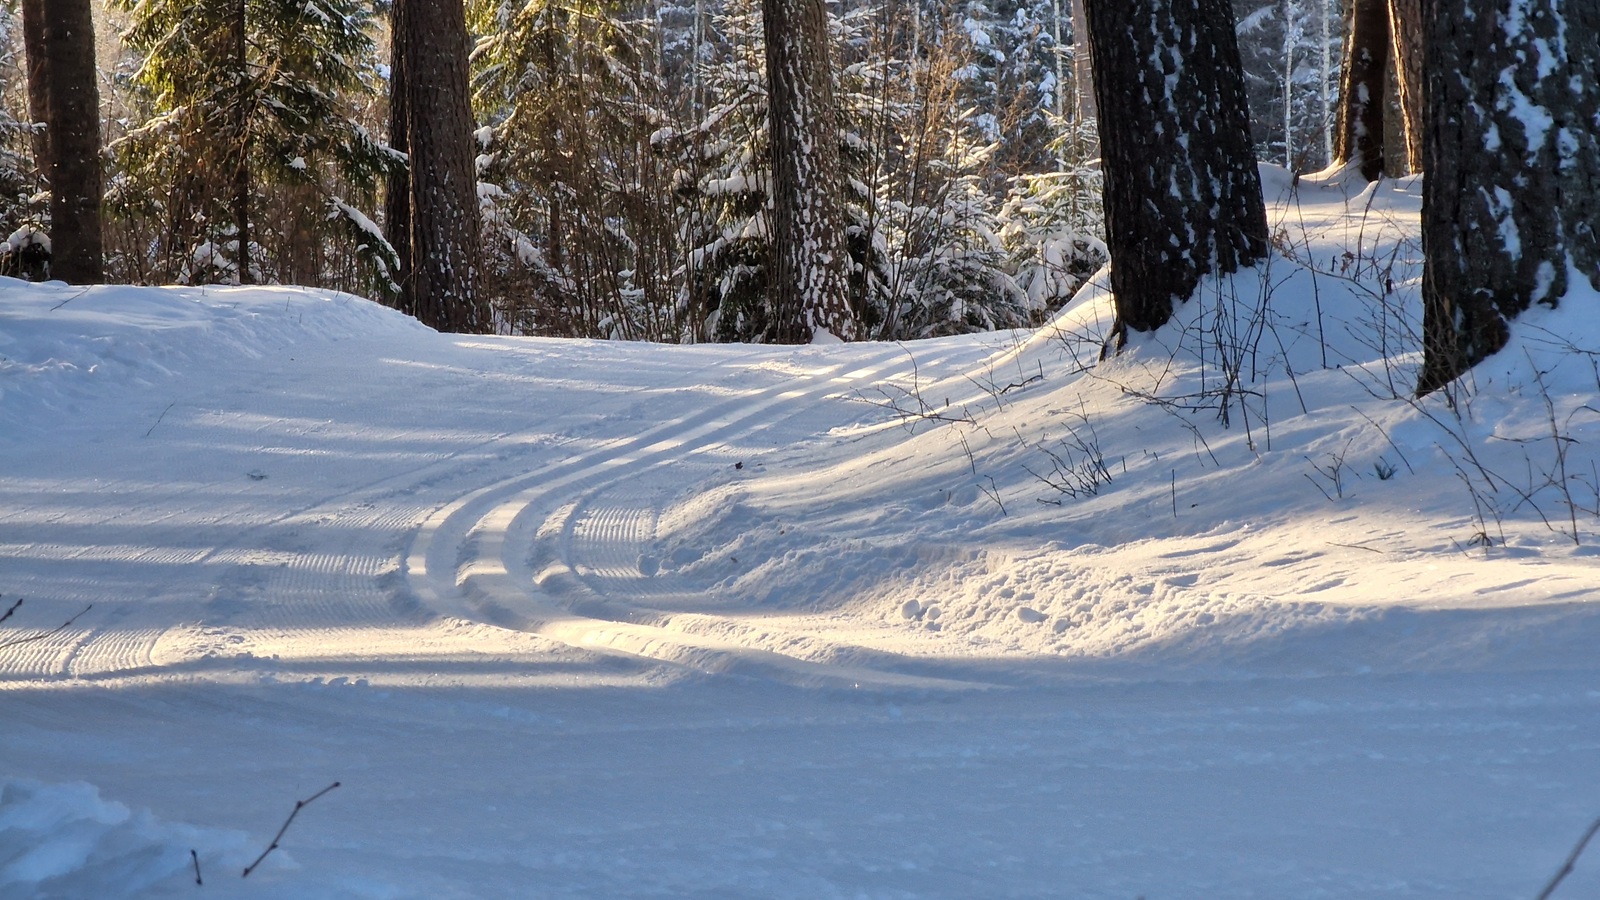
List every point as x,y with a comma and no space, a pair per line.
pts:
536,552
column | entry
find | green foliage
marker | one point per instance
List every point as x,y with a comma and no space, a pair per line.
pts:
22,208
578,202
288,111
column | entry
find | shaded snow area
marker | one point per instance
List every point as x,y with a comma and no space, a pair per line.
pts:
1225,615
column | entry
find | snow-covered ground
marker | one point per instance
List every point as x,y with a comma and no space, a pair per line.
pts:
978,617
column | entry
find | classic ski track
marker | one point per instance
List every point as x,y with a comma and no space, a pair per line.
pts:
337,582
479,557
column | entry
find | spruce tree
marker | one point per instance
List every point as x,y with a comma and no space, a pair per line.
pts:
249,97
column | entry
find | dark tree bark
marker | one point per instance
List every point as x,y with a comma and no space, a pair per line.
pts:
1364,88
241,148
73,118
808,291
1511,149
1182,192
1405,42
38,86
444,230
397,193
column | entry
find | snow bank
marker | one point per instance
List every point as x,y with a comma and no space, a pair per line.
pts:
64,840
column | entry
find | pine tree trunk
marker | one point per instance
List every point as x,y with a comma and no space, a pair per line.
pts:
1405,38
808,288
1363,91
444,187
397,191
1511,104
1182,192
73,117
241,146
1082,67
38,85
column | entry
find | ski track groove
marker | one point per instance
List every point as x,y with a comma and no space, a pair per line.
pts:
487,555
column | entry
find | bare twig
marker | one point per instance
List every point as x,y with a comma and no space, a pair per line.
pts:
195,858
160,417
1356,547
69,299
1572,859
11,610
298,805
43,634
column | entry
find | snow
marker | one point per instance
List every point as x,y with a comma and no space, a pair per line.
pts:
582,619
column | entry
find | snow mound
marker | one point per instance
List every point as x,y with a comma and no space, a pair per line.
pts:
64,840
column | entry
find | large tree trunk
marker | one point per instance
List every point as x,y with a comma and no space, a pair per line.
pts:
397,191
1512,154
1405,37
1363,91
444,187
73,117
1182,192
808,288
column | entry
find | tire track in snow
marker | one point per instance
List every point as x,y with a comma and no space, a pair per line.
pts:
507,552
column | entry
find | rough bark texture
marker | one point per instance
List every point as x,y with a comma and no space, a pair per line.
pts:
73,117
1512,150
445,226
241,142
1182,192
1405,41
38,86
1082,68
1363,88
808,291
397,192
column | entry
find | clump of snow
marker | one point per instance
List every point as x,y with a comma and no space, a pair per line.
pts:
64,840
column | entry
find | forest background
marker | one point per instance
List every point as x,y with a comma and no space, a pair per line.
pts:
623,159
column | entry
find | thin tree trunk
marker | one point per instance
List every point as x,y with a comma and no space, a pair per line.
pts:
397,195
38,85
1405,37
808,287
241,148
1325,75
1082,66
1508,202
1286,10
73,117
1182,191
444,187
1364,90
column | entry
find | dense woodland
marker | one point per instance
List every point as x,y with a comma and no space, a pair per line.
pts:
787,170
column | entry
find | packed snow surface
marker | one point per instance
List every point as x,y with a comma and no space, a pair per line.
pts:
1225,615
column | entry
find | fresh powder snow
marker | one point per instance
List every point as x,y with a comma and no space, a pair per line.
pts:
1226,615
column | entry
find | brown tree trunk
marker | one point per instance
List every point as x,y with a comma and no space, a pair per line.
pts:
241,147
1182,192
1405,40
1082,69
1363,91
73,118
445,222
397,192
1512,155
808,286
38,85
